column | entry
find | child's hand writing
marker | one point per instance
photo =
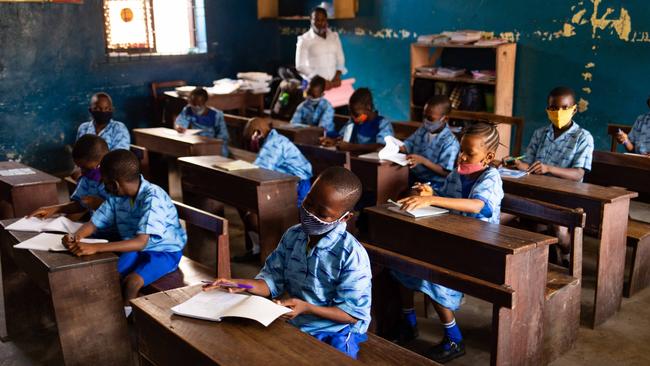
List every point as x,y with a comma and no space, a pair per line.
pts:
79,249
621,137
422,189
415,160
297,307
413,202
327,141
69,240
223,284
44,212
180,129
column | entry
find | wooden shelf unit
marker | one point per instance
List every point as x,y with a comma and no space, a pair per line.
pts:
270,9
500,58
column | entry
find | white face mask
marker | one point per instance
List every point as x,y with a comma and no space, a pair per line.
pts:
312,225
433,126
198,110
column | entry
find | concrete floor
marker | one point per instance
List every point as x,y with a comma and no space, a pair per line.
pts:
622,340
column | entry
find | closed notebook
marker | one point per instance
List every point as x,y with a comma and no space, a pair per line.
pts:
59,224
418,212
51,242
216,304
236,165
512,173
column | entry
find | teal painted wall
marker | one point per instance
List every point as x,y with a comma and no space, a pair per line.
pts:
376,45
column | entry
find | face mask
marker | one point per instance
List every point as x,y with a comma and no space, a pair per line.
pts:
93,174
198,110
561,117
256,142
314,100
469,168
360,118
312,225
433,126
101,118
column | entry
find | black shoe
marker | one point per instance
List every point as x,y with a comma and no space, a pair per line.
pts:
247,257
403,332
446,351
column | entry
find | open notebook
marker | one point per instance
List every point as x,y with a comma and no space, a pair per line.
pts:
51,242
418,212
235,165
59,224
216,304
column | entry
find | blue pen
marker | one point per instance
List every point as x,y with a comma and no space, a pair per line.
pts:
236,285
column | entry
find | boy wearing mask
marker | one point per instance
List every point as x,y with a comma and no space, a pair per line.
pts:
198,115
103,125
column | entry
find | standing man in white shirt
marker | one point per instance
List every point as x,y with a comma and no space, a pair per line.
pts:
319,52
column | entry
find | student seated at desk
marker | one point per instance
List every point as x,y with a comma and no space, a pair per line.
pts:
366,129
324,270
151,236
474,189
87,153
316,110
638,140
103,125
198,115
563,149
432,149
274,152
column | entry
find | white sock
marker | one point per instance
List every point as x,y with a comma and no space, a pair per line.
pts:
127,311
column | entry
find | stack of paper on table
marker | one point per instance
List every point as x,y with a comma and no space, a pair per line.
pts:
187,132
216,304
512,173
640,211
390,152
59,224
51,242
418,212
17,171
236,165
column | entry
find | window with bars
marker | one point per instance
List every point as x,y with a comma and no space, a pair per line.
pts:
137,28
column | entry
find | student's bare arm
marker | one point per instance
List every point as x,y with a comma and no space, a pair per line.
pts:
71,207
575,174
326,312
260,287
469,205
136,244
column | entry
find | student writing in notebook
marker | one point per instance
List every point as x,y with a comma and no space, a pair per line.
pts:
473,189
366,129
638,140
87,154
151,238
323,269
197,115
103,125
432,149
274,152
316,110
562,149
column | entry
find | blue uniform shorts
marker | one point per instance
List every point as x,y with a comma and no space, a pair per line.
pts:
149,265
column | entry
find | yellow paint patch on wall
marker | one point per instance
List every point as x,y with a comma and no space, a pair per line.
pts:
578,17
622,25
587,76
583,105
590,65
586,90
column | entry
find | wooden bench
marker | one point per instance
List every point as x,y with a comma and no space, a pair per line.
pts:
633,173
169,340
562,295
190,271
503,265
612,131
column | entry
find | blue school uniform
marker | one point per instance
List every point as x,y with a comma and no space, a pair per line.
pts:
488,188
369,132
335,272
315,113
88,187
278,153
640,134
152,212
441,148
115,134
211,124
572,149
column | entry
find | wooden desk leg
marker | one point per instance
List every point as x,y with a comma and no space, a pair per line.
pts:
392,181
28,198
159,170
90,317
277,211
611,261
517,333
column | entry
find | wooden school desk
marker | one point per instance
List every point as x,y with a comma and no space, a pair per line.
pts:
607,212
165,145
83,293
24,193
382,179
170,340
226,102
322,158
270,194
499,264
309,135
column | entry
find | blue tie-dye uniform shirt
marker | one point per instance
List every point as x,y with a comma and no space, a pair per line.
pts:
369,132
572,149
315,113
441,148
640,134
211,124
115,134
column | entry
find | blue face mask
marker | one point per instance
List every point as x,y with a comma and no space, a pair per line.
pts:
314,226
433,126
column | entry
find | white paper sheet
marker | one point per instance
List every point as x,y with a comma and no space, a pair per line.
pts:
512,173
418,212
188,132
17,171
236,165
59,224
391,152
216,304
51,242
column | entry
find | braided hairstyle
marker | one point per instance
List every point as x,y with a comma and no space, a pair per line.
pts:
487,131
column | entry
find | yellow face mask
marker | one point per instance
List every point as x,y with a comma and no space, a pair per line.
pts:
561,117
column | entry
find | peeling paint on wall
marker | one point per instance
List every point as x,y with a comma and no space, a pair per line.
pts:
583,105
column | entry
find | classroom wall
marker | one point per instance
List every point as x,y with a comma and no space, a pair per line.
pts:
598,47
52,59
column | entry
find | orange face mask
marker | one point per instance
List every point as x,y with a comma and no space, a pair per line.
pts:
360,118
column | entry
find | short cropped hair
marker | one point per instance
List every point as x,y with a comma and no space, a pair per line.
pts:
362,96
199,92
346,183
319,9
89,148
562,91
317,81
121,165
437,100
